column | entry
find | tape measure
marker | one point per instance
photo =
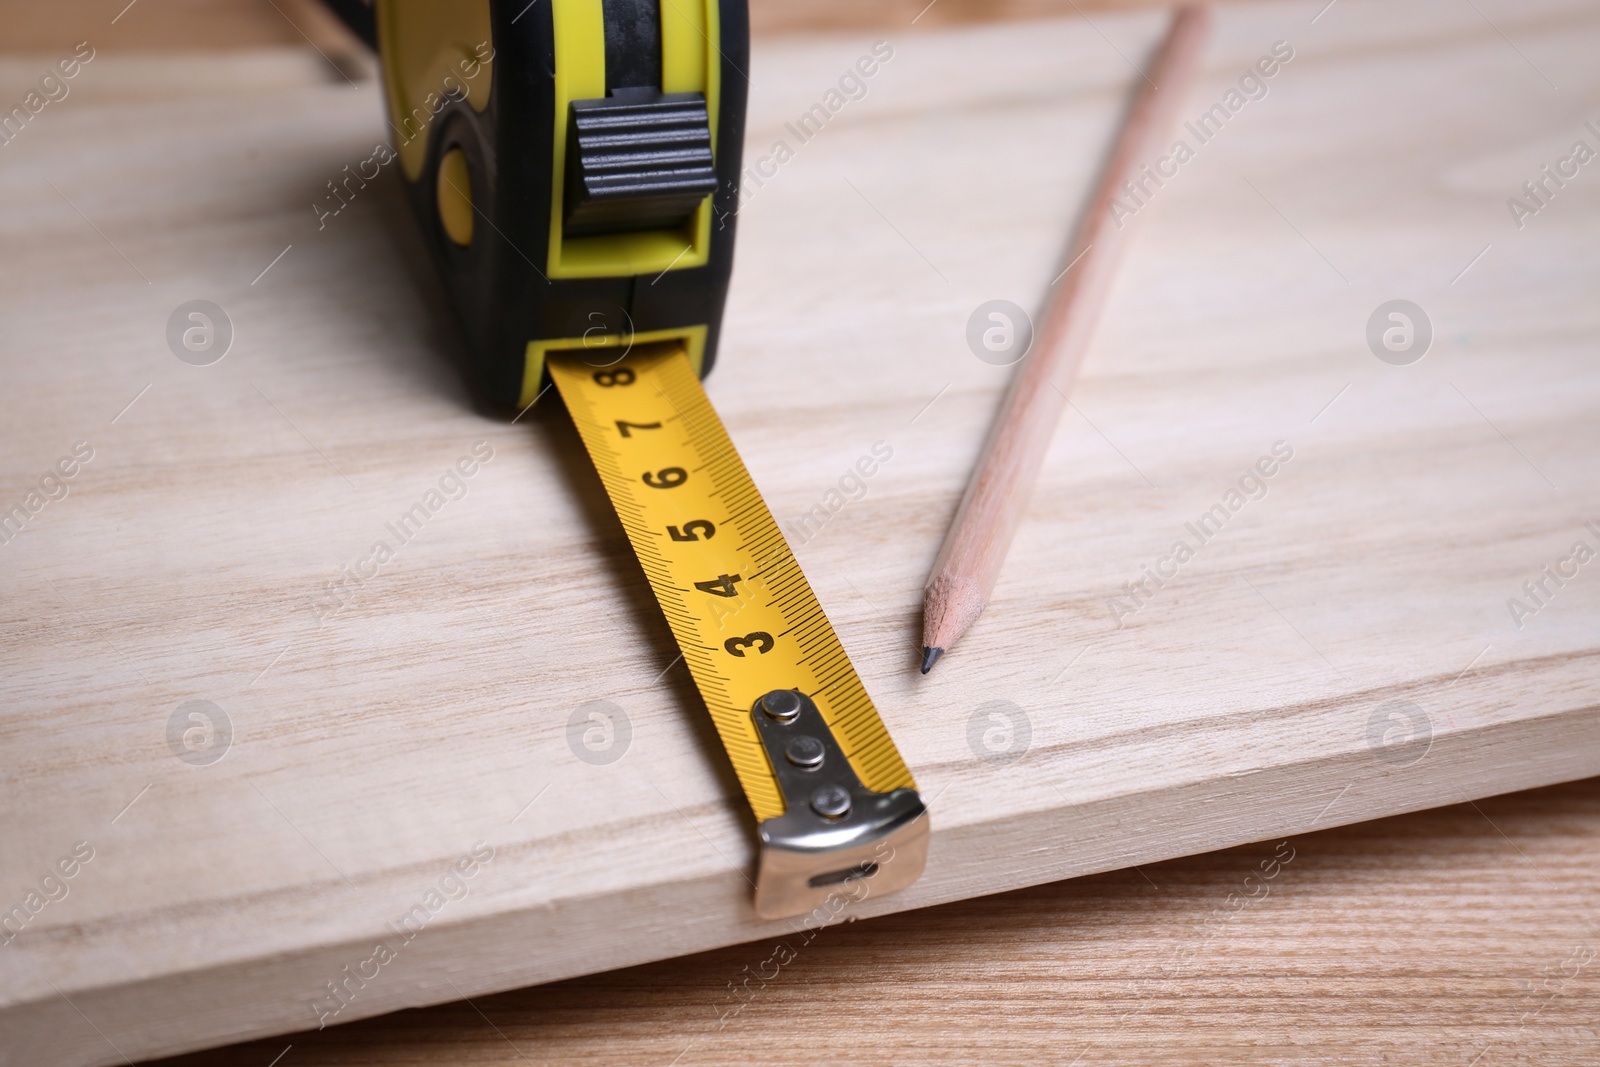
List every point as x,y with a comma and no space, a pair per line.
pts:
574,166
833,798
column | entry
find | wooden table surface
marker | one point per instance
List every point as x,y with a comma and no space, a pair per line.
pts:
1466,935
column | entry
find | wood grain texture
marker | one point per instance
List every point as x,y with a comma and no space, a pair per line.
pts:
1244,702
1462,935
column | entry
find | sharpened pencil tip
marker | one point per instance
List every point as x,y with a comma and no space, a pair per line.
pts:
930,656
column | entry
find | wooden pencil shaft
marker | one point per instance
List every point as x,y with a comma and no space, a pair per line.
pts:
976,544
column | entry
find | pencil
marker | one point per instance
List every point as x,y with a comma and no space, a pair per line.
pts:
976,544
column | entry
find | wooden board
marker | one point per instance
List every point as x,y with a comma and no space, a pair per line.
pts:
374,747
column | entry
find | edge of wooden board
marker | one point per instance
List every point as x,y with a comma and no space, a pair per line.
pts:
550,943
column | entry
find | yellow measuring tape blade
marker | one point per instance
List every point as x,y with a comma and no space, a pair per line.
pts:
741,610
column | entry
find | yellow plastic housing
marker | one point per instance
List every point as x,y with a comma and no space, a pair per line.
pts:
453,193
431,50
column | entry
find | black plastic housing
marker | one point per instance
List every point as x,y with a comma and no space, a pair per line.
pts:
498,283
